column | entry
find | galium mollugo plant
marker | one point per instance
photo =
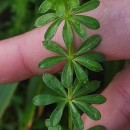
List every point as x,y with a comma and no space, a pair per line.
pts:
73,89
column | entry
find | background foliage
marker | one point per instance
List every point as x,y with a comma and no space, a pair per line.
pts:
16,109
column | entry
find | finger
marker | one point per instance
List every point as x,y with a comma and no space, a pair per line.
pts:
20,55
114,17
116,111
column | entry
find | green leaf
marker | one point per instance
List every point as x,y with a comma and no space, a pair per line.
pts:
76,118
80,73
88,21
73,3
7,91
92,99
60,8
88,63
50,61
51,31
47,123
79,28
45,6
76,86
89,88
53,83
87,6
45,99
91,43
90,111
54,47
57,114
98,127
95,56
67,75
45,19
55,128
68,35
50,127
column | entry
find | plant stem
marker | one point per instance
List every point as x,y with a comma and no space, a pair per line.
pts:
70,120
70,125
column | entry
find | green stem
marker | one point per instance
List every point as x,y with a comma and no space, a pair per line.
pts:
70,125
70,121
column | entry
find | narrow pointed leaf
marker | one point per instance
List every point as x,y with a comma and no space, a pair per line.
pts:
60,8
54,47
80,73
45,99
98,127
53,83
88,63
45,6
73,3
55,128
95,56
88,21
81,32
76,118
57,114
90,111
45,19
48,124
76,87
92,99
68,35
67,75
50,61
87,6
89,88
51,31
91,43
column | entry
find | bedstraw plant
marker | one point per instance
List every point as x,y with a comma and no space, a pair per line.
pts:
74,90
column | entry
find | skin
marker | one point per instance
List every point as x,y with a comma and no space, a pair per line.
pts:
21,54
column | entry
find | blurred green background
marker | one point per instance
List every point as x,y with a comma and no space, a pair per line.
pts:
16,109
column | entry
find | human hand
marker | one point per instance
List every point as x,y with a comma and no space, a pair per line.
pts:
20,56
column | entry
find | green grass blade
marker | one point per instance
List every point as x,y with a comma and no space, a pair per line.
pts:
34,88
7,91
